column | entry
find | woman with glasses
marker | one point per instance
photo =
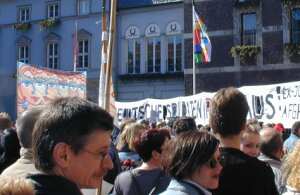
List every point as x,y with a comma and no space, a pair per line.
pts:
194,164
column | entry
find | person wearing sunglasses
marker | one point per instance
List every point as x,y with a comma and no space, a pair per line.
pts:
193,164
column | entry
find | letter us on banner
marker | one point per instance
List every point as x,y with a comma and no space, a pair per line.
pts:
268,103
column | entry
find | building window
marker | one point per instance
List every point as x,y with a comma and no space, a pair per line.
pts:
153,55
134,56
52,55
174,53
53,11
83,54
83,7
24,14
23,53
295,26
248,29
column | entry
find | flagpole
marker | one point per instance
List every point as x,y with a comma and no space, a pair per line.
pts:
108,75
194,65
75,49
104,40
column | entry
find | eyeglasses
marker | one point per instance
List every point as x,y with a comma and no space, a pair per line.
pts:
101,155
212,163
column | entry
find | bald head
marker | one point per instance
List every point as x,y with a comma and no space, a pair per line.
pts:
271,142
25,124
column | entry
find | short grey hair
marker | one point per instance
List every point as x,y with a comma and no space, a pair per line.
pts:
25,124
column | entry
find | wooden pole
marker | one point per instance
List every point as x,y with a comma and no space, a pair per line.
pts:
103,69
108,75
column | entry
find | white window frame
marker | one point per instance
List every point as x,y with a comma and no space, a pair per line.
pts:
26,10
23,53
52,56
174,39
54,8
135,53
83,54
83,10
154,40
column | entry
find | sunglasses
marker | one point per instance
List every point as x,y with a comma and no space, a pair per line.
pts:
212,163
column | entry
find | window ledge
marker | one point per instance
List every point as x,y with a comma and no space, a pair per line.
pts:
143,76
246,3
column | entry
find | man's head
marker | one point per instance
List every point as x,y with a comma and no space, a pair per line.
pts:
71,138
184,124
25,124
271,143
228,112
5,121
296,128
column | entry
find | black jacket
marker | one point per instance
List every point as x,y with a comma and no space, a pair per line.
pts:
9,148
53,185
244,175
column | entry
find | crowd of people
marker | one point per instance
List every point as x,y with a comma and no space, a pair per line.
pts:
71,143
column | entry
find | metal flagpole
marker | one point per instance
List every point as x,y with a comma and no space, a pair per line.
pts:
103,57
194,65
75,49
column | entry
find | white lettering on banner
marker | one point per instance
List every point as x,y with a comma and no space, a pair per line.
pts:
269,103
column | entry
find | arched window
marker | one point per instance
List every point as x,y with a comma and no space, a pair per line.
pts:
23,49
153,48
52,51
134,50
84,51
175,54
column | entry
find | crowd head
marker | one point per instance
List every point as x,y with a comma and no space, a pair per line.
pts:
69,133
228,111
196,157
150,143
5,121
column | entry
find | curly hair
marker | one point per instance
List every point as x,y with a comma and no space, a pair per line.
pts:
15,186
291,168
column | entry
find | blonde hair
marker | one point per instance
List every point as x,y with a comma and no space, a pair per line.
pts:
130,132
291,168
250,129
15,186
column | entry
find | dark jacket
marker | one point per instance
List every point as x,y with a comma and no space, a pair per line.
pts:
244,175
9,148
53,185
141,182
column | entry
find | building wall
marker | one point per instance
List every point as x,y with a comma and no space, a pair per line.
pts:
90,23
143,85
223,21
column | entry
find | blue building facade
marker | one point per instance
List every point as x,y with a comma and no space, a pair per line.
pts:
150,45
26,36
41,32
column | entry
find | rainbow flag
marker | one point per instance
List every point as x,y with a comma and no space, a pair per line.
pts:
201,42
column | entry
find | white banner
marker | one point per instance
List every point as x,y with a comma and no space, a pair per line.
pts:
268,103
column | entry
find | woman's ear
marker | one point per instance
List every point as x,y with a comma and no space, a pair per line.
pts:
61,154
156,155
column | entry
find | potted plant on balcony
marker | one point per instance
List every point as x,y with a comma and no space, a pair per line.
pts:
290,3
247,53
49,23
293,51
22,26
